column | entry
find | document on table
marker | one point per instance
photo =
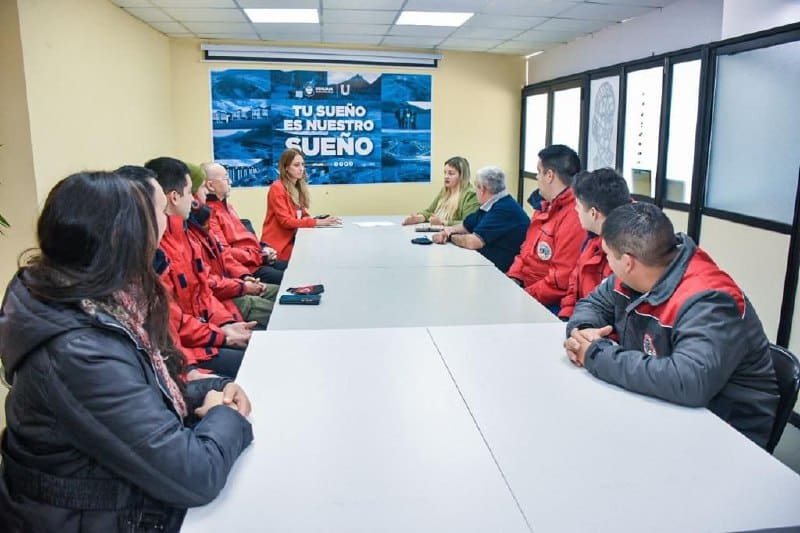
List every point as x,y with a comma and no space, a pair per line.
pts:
374,224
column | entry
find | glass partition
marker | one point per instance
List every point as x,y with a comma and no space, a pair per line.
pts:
535,129
567,117
684,99
642,127
755,138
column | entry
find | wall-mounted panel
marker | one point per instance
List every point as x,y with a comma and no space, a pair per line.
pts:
603,117
642,127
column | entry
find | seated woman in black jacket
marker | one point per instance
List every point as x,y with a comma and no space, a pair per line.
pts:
103,433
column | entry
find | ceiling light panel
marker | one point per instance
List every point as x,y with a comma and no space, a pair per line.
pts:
433,18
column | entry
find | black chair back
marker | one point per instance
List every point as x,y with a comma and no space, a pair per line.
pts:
787,370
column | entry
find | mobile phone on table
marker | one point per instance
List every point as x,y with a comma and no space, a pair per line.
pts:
321,217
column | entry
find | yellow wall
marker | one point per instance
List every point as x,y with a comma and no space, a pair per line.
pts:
17,186
756,259
476,110
98,87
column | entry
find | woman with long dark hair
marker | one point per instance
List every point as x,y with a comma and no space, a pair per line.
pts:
103,432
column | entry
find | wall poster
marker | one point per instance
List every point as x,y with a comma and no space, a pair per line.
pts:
362,127
603,112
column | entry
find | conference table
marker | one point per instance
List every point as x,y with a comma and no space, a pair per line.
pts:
371,414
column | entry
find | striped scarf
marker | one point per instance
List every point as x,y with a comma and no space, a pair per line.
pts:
126,308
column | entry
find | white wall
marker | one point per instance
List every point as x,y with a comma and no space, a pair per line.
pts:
679,25
747,16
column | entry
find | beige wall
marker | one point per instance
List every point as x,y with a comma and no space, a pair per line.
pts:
84,85
17,186
98,87
476,109
679,219
756,259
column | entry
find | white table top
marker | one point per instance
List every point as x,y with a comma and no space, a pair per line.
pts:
401,297
358,431
582,455
385,246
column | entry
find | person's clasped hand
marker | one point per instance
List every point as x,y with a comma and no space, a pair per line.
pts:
579,341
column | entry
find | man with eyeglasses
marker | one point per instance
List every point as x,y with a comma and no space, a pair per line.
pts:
225,224
686,332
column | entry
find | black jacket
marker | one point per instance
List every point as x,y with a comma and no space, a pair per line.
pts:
92,440
694,340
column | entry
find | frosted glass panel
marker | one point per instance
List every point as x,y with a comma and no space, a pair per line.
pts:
603,114
682,128
642,126
535,129
755,138
567,117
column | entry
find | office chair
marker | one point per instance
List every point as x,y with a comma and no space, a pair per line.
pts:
787,370
249,225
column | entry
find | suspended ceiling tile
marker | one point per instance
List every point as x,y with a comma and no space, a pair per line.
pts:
604,12
149,14
485,33
503,22
473,6
356,29
169,27
577,25
219,27
357,16
411,42
358,4
353,39
205,14
280,4
530,8
469,44
230,36
421,31
289,32
537,35
523,47
194,3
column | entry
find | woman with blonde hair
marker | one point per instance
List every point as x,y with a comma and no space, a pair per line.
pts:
454,202
287,205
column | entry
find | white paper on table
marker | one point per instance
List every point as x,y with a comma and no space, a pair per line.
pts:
374,224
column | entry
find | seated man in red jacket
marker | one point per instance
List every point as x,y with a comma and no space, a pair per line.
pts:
224,224
553,243
213,335
597,193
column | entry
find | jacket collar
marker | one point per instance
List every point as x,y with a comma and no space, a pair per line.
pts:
176,223
563,198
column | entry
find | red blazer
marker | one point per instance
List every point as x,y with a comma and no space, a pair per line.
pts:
281,222
592,268
550,250
227,227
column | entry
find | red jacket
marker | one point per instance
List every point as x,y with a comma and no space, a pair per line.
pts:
224,272
592,268
282,220
227,227
196,314
550,250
